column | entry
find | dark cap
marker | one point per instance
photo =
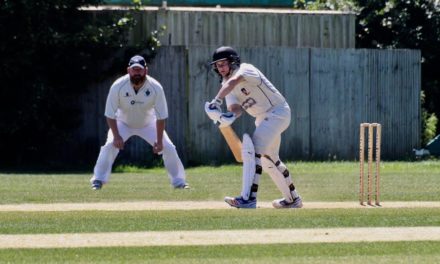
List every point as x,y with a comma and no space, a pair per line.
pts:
137,61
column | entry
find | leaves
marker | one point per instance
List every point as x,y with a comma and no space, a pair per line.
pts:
51,52
396,24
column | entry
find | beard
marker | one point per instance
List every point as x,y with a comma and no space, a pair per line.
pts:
137,79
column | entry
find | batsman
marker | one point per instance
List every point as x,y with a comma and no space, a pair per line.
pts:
244,87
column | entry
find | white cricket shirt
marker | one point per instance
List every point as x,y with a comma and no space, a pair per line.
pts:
256,94
136,110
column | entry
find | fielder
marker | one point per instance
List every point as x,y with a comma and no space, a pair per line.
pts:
245,87
136,105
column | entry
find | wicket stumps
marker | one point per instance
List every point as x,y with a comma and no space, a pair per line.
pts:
371,127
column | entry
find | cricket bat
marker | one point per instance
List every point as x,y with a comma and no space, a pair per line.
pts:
233,141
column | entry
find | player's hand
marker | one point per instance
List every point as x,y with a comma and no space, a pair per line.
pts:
212,111
216,103
227,119
157,148
118,142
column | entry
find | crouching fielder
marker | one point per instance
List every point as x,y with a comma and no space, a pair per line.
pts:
245,87
136,106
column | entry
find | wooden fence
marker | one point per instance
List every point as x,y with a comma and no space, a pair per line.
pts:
192,3
331,91
242,26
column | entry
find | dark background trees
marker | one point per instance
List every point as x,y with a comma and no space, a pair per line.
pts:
410,25
50,53
399,24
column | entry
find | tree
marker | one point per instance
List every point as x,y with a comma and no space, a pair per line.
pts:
410,25
415,24
50,52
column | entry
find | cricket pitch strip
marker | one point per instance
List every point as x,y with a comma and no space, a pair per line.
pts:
193,205
211,237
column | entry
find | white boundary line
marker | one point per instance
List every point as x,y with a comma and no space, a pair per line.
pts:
192,205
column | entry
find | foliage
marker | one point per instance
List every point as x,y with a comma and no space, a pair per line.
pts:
429,123
410,25
51,52
398,25
341,5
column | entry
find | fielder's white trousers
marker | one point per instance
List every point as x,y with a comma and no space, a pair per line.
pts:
269,126
108,153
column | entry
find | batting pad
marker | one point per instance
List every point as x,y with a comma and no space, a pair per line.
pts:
283,169
277,177
248,156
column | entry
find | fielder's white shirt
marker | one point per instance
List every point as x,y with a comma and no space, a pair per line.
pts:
136,110
256,94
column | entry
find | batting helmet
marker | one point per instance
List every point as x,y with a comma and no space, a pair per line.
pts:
226,53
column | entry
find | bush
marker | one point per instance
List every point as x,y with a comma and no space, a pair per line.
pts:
51,52
430,122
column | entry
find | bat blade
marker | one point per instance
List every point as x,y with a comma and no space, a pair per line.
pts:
233,142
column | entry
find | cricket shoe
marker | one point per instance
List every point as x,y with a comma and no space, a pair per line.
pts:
239,202
96,185
282,203
182,186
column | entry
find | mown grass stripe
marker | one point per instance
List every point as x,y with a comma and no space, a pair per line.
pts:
191,205
229,219
221,237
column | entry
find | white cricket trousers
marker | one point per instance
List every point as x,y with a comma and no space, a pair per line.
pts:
269,127
108,153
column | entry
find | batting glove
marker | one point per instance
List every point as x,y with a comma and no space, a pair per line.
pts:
212,111
227,119
216,103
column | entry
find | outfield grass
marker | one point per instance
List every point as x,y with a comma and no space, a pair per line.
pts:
394,252
105,221
331,181
338,181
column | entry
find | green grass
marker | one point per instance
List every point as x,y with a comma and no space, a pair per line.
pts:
329,181
335,181
393,252
105,221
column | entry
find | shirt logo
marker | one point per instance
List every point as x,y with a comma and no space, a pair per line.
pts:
147,93
246,92
133,102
